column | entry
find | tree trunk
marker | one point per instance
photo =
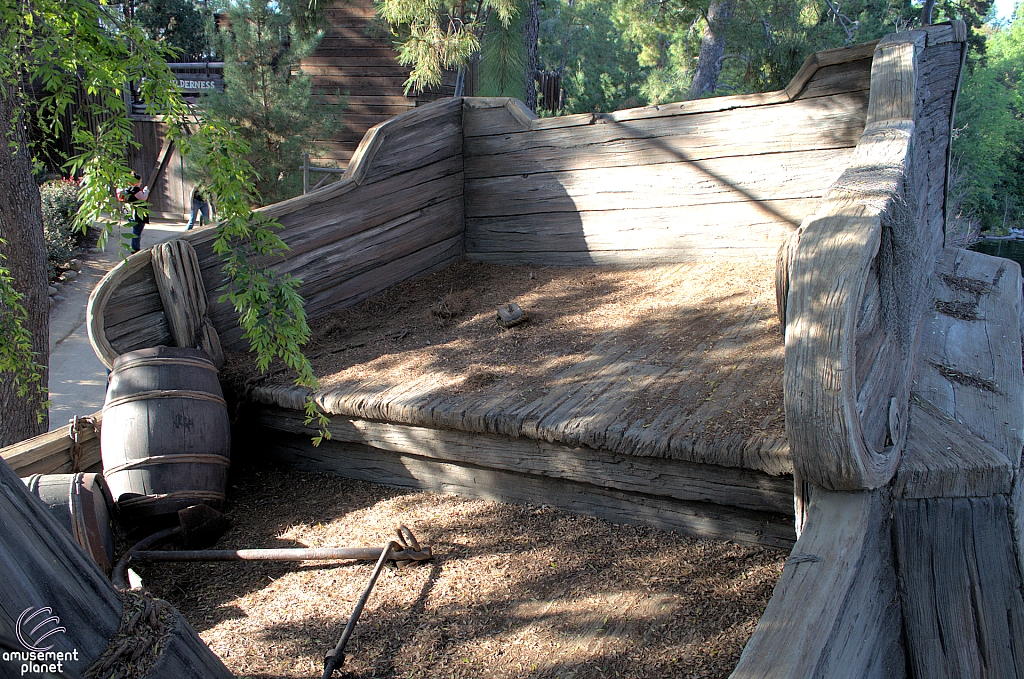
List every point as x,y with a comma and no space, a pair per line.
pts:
531,32
21,226
712,48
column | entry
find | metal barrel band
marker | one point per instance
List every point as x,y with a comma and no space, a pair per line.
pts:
146,500
167,360
167,393
201,458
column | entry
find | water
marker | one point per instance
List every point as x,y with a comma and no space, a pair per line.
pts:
1010,249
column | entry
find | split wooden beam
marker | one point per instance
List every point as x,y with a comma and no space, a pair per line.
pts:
180,282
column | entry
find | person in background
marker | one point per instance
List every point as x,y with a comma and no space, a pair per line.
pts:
200,206
133,195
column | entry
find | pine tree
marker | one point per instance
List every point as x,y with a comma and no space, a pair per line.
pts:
268,98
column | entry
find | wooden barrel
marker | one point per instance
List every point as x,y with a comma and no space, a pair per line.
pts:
166,438
54,600
80,503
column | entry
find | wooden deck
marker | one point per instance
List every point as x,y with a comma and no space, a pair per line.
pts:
680,361
659,384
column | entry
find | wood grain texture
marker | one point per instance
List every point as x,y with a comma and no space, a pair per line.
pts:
410,471
715,178
50,453
176,270
637,236
969,363
669,387
943,458
44,567
397,213
850,334
816,124
658,477
960,586
670,186
105,290
835,611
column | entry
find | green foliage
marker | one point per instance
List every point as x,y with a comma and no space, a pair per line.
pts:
433,35
265,97
622,53
503,59
17,361
270,310
989,138
178,24
64,45
60,205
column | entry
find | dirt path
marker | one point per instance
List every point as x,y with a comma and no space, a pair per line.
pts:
78,380
514,590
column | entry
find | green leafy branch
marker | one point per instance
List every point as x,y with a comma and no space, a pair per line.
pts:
16,356
70,47
433,35
270,309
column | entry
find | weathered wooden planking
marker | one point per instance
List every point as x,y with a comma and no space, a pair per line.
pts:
397,213
814,124
410,471
944,459
835,611
370,206
147,330
969,364
44,567
852,76
667,392
46,570
847,422
416,261
371,241
845,69
961,588
50,453
358,288
128,297
666,186
1017,520
635,236
176,270
678,480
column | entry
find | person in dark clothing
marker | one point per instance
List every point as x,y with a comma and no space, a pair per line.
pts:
200,206
133,195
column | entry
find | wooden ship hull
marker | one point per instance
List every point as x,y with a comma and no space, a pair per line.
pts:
896,361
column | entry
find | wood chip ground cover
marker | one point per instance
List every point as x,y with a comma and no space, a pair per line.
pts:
685,358
513,591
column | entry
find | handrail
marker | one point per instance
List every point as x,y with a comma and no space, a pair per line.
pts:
846,413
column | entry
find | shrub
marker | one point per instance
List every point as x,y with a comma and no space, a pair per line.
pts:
60,205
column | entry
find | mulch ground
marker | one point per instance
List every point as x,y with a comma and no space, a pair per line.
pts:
704,337
513,590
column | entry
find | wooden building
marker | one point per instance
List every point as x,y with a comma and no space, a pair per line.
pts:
356,64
